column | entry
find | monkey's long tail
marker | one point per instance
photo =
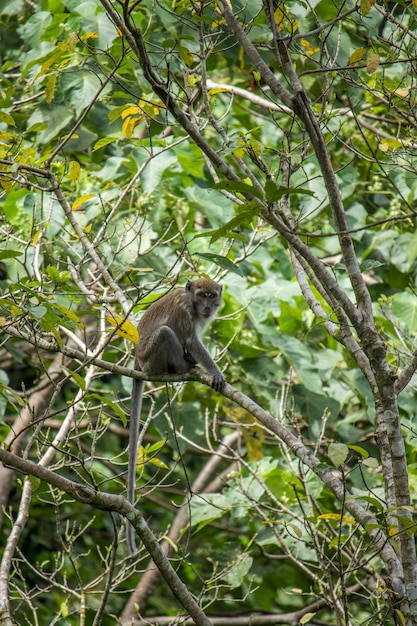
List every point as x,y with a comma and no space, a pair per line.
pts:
137,391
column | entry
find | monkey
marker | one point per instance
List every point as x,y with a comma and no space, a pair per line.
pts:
170,343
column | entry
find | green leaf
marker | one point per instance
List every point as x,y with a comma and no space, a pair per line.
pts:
371,462
275,193
38,312
372,501
238,572
221,261
79,380
112,405
103,142
239,187
7,118
246,213
10,254
338,453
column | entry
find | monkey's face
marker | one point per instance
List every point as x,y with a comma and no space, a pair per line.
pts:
207,302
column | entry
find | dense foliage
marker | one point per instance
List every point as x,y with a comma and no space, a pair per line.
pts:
271,146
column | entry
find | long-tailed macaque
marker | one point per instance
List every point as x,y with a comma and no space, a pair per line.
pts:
170,343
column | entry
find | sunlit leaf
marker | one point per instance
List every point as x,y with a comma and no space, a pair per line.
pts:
76,205
337,518
7,118
362,451
74,170
389,144
124,328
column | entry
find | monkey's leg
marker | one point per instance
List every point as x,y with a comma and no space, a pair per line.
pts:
166,354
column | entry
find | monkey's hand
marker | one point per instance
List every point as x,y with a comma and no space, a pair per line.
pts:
218,381
189,358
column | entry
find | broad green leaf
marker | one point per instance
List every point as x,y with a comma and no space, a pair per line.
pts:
371,462
80,381
112,405
102,143
245,214
239,187
221,261
7,118
10,254
338,453
237,573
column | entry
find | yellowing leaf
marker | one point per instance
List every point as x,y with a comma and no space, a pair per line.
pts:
89,35
72,41
366,6
402,92
50,88
309,48
141,458
372,62
216,90
81,200
158,463
357,55
241,58
133,110
171,543
306,618
73,317
400,614
64,609
252,432
337,517
389,144
124,328
74,170
129,125
186,56
36,237
280,18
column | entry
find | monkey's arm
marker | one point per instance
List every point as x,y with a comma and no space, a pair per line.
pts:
200,354
137,391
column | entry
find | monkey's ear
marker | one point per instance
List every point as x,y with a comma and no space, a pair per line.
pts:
188,285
